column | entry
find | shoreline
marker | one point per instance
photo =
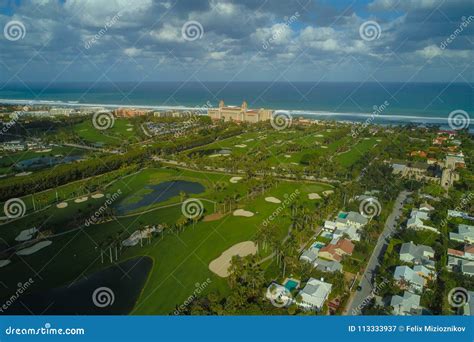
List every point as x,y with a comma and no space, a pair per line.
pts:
348,117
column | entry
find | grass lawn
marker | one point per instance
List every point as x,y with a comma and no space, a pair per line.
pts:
348,158
180,261
114,136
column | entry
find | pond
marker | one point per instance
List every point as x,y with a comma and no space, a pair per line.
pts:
157,193
42,162
122,283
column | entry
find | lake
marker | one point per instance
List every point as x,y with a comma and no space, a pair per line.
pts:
158,193
124,283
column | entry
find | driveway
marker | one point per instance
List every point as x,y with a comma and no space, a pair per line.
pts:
366,281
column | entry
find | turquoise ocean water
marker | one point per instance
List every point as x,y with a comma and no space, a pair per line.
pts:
402,102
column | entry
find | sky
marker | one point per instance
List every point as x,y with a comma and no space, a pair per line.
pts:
246,40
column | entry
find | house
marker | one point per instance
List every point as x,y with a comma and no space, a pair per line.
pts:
416,221
467,267
455,253
469,252
417,254
351,219
309,255
408,278
406,305
329,226
465,234
426,207
455,213
468,308
314,294
328,265
352,232
338,250
424,272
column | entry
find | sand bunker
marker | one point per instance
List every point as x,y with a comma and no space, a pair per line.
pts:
240,145
242,212
81,199
61,205
213,217
272,200
4,263
328,192
235,179
313,196
220,266
35,248
98,195
26,234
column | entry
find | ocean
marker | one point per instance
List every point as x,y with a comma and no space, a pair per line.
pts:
425,103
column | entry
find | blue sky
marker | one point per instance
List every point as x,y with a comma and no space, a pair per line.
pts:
246,40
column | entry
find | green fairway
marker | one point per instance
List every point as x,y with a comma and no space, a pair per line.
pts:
180,259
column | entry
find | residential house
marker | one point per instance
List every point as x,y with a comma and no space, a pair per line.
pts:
406,305
426,207
328,265
424,272
407,278
314,294
310,255
335,251
468,308
417,254
416,221
467,267
465,234
469,252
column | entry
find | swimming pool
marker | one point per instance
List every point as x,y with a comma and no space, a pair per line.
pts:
318,245
291,284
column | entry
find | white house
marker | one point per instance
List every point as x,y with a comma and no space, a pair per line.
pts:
417,254
465,234
408,278
407,305
314,294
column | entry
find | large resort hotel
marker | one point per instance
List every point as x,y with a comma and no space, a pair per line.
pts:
239,114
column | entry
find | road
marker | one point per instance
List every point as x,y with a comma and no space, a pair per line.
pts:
370,271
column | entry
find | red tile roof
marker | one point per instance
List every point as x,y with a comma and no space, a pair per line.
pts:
455,252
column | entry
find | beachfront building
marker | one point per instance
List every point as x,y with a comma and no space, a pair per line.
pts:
129,112
239,114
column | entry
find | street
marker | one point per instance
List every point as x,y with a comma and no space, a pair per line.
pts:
353,307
